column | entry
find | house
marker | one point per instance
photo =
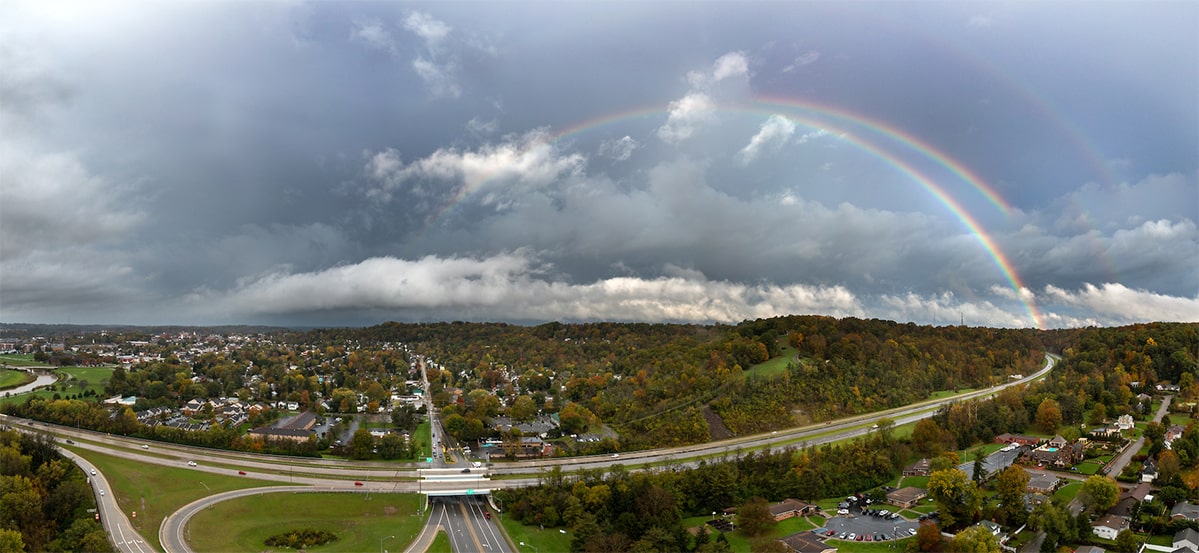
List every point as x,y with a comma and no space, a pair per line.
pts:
806,542
1109,525
906,497
1107,432
1124,422
1187,538
1185,510
1173,433
1090,549
1058,452
995,530
1017,439
788,508
1148,471
919,468
1040,482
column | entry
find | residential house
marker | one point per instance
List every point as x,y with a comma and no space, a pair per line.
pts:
1041,482
806,542
1148,471
1109,525
788,508
1187,538
1173,433
1106,432
1090,549
906,497
1124,422
1058,452
995,530
1185,510
1017,439
919,468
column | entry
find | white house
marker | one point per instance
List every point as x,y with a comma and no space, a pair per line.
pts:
1109,525
1124,422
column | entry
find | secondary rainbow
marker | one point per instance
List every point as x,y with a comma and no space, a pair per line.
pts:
937,191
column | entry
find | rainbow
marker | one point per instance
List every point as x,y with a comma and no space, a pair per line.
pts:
937,191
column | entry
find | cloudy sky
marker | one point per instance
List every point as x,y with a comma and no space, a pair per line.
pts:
343,163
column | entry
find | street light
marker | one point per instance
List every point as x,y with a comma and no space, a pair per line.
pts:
381,550
530,545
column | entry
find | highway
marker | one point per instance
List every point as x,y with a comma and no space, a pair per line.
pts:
304,474
120,531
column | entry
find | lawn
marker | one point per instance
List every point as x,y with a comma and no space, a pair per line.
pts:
441,544
361,522
775,365
549,539
916,481
424,437
1088,467
155,491
870,546
11,379
1068,491
73,381
20,360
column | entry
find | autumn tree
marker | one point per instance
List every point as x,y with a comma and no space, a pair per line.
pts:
975,539
754,518
1099,493
361,444
1049,416
1168,465
1127,542
523,408
1009,487
958,498
928,537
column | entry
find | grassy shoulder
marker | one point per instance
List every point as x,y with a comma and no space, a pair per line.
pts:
549,539
441,544
10,378
361,522
156,491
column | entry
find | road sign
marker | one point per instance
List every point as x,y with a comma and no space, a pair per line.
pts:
470,492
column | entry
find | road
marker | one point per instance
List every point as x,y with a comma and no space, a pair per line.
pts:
465,524
120,531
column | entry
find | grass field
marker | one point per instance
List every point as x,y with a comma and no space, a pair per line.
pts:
11,379
1068,491
361,522
424,437
20,360
775,365
1088,467
95,379
550,539
155,491
870,547
441,544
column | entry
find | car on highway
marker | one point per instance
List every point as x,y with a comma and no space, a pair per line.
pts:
487,515
101,492
241,472
70,442
191,463
357,483
144,446
93,472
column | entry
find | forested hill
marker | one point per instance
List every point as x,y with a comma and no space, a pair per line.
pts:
665,384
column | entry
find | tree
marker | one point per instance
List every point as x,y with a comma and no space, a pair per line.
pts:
928,438
523,408
958,498
10,541
928,537
1099,493
1049,416
1127,542
391,446
1009,487
1168,464
975,539
361,444
754,518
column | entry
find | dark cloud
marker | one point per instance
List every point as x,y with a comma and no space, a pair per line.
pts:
344,163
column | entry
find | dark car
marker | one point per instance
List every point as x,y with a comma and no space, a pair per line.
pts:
465,471
487,515
241,472
357,483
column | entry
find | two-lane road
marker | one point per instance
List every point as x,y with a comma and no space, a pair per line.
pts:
120,531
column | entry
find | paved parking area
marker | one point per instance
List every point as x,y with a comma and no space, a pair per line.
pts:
866,524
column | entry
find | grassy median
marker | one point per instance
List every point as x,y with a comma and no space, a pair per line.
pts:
360,521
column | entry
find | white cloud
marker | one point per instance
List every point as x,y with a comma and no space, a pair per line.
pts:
480,128
619,149
1115,303
686,116
512,285
807,58
429,28
439,78
733,64
372,33
527,161
773,134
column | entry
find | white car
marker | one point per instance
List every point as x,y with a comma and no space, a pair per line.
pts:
101,492
93,472
191,463
144,446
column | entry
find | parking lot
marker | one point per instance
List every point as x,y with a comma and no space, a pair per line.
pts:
861,525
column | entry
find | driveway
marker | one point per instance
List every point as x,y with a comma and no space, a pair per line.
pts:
866,524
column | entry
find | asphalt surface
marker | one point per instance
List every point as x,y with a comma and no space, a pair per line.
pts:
120,530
